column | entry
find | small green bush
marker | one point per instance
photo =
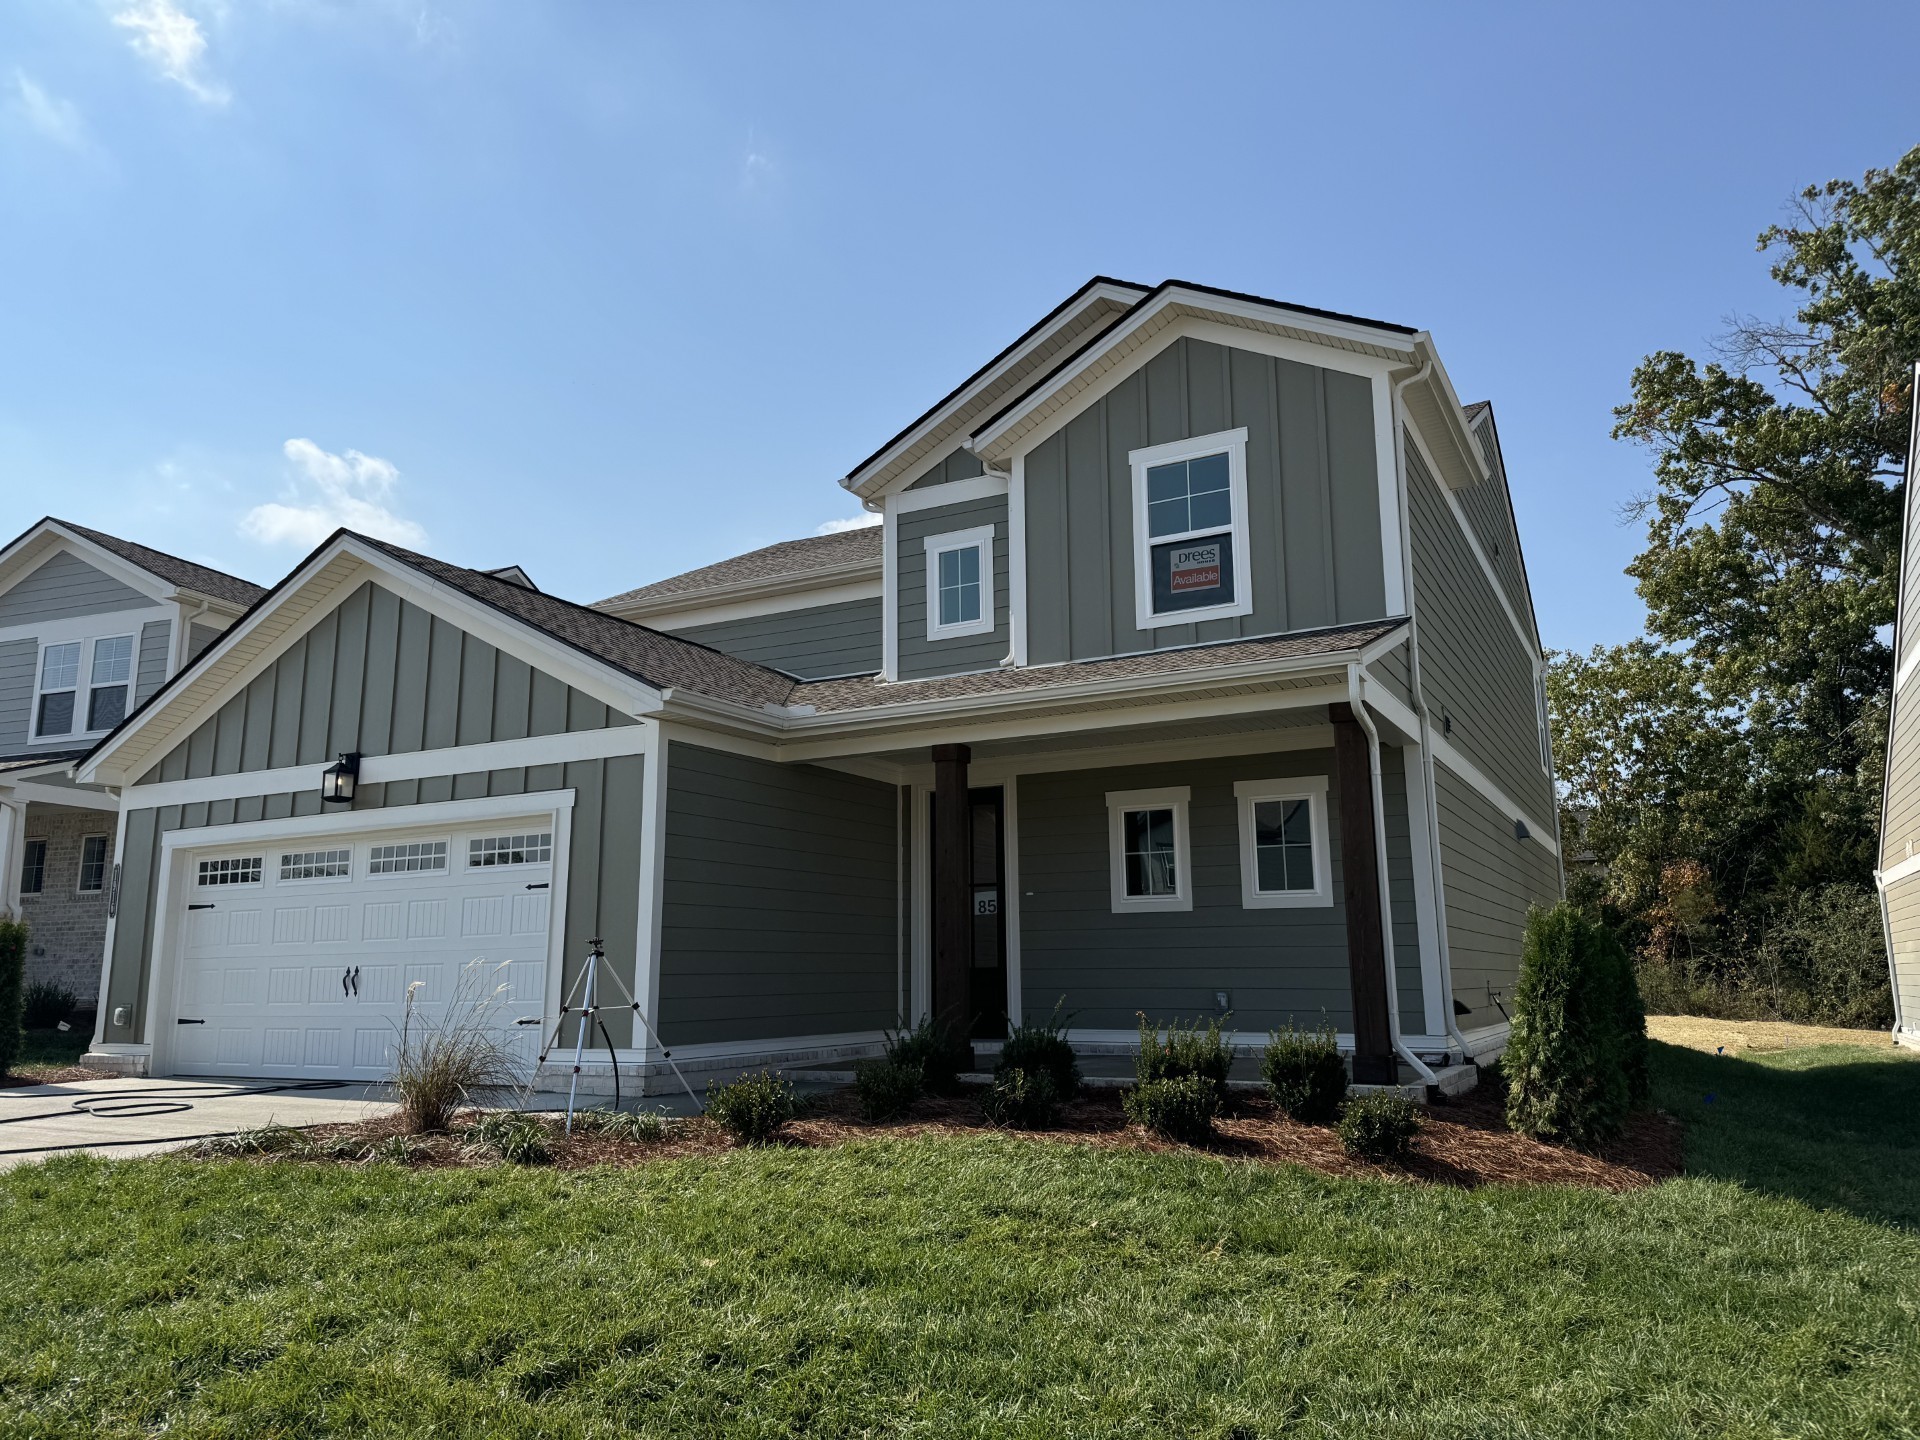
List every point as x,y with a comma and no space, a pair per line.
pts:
516,1138
643,1127
1187,1049
45,1003
1379,1125
13,969
268,1139
1305,1073
1020,1099
1044,1046
887,1088
1179,1107
753,1108
934,1049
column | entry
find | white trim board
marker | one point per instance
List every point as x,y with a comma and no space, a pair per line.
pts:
952,492
98,625
74,797
1466,770
979,539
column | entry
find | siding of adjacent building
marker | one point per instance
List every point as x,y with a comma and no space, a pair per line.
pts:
1276,965
1313,501
815,643
381,676
1490,878
919,656
155,640
66,586
780,904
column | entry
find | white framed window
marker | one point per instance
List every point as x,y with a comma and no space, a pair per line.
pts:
407,857
316,864
1285,860
93,864
960,583
1190,530
487,850
235,870
63,705
1149,856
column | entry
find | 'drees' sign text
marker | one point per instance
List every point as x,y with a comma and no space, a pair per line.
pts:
1195,567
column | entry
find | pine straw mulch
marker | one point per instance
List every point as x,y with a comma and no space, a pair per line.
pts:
49,1075
1465,1141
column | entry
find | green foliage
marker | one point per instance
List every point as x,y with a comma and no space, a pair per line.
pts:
268,1139
1187,1048
13,966
45,1003
887,1088
1576,1061
934,1049
642,1127
515,1137
457,1056
1020,1099
1178,1107
753,1108
1305,1073
1043,1045
1379,1125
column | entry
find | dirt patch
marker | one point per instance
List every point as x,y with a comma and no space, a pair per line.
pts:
1464,1143
47,1075
1697,1032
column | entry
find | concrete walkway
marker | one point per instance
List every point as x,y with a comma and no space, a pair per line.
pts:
122,1117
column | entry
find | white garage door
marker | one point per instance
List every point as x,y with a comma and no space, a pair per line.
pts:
297,956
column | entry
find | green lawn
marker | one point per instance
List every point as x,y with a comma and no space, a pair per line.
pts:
993,1287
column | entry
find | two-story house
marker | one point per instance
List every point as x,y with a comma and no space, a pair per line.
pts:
90,627
1190,670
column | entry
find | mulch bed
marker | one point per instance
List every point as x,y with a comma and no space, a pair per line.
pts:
1465,1141
49,1075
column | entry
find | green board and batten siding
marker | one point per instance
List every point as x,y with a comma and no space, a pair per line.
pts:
818,642
920,657
780,906
381,676
1313,501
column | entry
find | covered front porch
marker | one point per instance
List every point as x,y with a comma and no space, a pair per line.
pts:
56,871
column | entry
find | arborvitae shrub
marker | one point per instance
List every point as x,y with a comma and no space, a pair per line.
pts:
1569,1060
1305,1073
1043,1046
1379,1125
753,1108
1628,1012
1188,1049
1020,1099
13,970
887,1088
1179,1107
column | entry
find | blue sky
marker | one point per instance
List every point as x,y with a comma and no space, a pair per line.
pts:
611,290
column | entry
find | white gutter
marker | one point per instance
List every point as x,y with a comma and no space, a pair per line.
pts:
1359,708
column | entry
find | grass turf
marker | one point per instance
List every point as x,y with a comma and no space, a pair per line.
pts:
991,1287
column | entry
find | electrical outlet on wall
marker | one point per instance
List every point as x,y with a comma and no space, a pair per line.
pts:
1223,1000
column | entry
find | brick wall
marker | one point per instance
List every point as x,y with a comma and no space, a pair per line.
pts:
69,930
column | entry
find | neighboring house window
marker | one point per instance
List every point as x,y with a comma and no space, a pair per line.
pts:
960,583
1285,860
33,868
1148,849
93,864
407,859
1190,530
59,706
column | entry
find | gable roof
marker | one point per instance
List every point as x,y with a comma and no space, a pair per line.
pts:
181,574
851,552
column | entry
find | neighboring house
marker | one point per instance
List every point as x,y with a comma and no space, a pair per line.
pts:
1192,671
90,626
1898,874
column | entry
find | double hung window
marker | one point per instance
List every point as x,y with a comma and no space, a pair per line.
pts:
64,705
1190,530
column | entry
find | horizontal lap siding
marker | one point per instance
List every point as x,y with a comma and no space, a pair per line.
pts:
1903,925
1473,666
1490,880
780,903
919,656
17,659
815,643
1900,835
1489,510
1313,501
1277,964
63,587
155,638
1391,671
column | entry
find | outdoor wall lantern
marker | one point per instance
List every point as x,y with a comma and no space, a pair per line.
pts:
338,779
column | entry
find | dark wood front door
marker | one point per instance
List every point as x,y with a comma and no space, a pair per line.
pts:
986,907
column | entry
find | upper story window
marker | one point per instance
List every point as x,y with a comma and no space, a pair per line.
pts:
63,705
960,583
1190,530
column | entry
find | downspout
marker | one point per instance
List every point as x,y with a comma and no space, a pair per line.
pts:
1432,807
1359,708
1886,938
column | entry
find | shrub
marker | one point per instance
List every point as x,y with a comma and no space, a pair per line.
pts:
45,1003
13,968
643,1127
1020,1099
933,1047
1187,1049
397,1150
1379,1125
1044,1047
887,1088
268,1139
1304,1073
517,1138
1627,1015
1180,1107
459,1059
753,1108
1569,1060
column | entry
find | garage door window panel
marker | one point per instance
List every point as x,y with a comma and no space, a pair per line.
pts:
303,865
233,870
486,851
412,857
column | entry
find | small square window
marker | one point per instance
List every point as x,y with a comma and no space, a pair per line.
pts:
960,583
33,868
1284,860
93,864
1147,836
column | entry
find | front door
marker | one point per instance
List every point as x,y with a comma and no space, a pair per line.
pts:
985,882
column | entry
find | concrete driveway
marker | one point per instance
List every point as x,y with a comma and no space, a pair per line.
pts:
120,1117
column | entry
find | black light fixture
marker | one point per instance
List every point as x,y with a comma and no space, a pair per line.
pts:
338,779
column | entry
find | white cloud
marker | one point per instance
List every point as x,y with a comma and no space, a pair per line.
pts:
349,490
56,119
852,522
172,40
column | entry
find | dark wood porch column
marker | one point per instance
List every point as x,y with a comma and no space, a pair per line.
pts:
1373,1058
952,920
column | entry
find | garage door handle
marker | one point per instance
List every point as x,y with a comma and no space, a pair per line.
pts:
182,1020
541,886
206,906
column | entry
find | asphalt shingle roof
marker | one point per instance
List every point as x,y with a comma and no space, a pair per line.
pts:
789,557
201,579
